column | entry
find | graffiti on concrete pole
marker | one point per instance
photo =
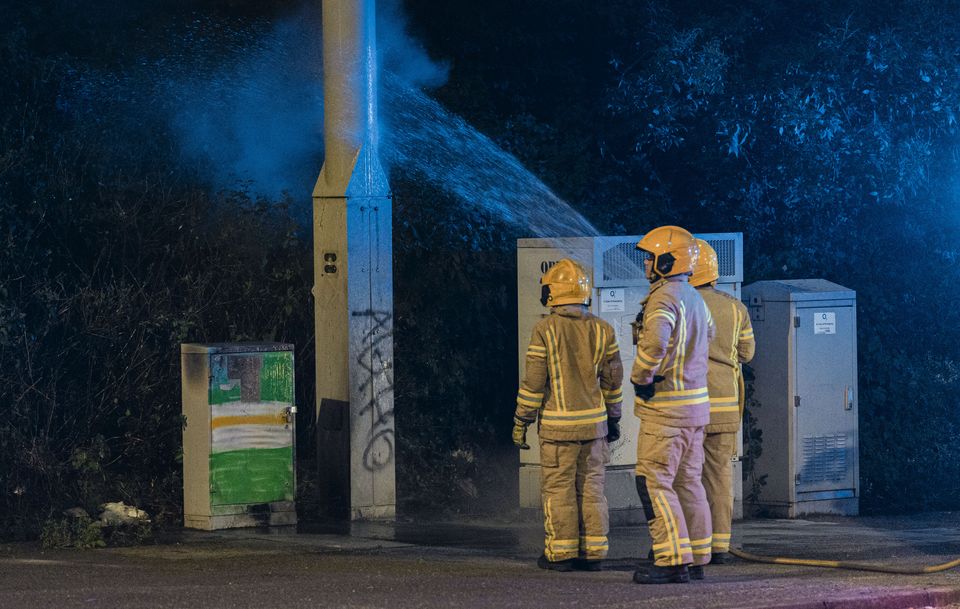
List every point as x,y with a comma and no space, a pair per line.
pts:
375,383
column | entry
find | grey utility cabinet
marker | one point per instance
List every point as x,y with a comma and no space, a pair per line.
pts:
804,398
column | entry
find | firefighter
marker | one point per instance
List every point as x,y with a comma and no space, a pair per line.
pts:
670,384
572,382
732,346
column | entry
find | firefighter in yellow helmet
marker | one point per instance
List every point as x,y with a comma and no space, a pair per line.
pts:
732,346
670,384
572,382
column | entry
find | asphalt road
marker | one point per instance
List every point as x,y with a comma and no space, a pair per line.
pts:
477,566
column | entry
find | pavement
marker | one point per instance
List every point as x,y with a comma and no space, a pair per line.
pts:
481,564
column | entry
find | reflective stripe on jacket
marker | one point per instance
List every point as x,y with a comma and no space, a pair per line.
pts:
572,377
733,345
674,343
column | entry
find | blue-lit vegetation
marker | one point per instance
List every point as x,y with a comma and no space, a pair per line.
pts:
156,165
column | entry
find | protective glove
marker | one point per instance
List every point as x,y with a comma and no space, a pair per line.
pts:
613,429
520,433
646,392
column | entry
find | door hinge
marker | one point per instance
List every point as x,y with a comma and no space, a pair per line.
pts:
796,321
796,479
796,401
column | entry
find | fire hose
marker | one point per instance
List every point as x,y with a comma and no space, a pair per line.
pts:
843,564
836,564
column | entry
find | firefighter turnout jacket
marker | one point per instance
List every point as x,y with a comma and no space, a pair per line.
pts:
673,343
733,344
572,377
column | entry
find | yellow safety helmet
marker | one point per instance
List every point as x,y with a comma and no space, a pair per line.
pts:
565,283
673,250
707,269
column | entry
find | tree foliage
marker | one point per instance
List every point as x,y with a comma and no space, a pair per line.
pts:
837,158
826,132
108,261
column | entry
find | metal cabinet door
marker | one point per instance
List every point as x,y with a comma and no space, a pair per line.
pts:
252,428
623,452
824,403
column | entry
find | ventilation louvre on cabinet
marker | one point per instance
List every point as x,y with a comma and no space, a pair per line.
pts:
824,458
726,255
621,261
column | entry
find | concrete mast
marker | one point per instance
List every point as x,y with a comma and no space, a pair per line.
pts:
353,278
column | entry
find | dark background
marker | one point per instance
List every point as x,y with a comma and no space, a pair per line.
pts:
825,131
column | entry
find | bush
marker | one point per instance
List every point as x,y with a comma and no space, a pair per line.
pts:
72,532
108,262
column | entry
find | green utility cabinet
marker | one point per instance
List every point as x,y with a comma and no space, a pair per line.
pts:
239,435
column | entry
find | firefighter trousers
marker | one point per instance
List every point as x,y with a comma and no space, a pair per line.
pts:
669,468
718,450
575,516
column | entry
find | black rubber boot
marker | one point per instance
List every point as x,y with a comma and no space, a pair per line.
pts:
563,566
696,572
721,558
583,564
650,555
661,575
